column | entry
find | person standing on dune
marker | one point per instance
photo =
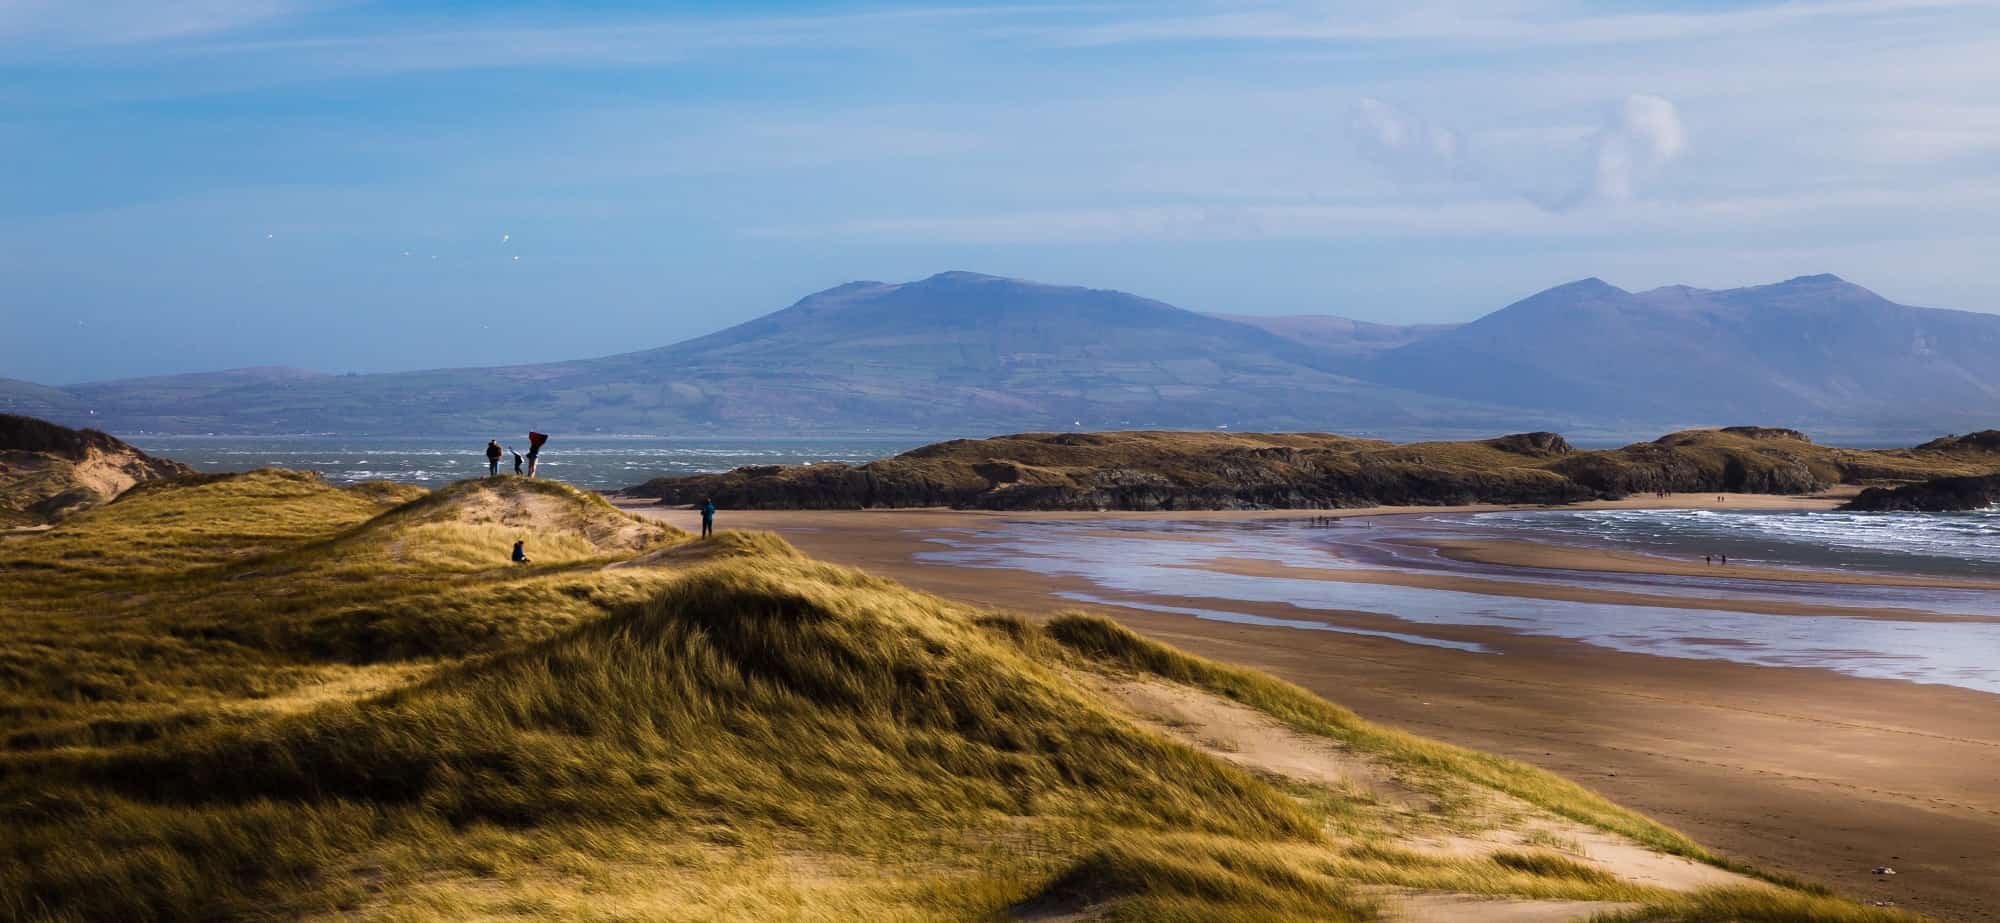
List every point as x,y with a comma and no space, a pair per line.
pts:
535,441
707,517
492,457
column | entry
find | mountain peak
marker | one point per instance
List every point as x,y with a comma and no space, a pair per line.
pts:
1589,286
1824,278
965,277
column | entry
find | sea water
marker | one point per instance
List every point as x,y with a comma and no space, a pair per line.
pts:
1931,544
595,462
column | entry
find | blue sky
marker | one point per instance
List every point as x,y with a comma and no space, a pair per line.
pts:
357,186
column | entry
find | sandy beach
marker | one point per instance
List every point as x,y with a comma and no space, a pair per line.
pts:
1806,771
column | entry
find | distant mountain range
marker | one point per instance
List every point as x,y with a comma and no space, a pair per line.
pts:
964,353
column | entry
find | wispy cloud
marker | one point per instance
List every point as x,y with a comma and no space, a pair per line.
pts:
1463,218
57,23
505,41
1528,24
1640,135
1404,144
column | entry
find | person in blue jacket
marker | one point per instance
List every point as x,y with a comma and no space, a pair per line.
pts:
707,517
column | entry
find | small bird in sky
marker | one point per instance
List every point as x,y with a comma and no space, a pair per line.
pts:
269,236
504,237
517,259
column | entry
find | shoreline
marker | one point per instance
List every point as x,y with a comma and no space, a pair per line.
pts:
1803,770
1526,589
1825,500
1527,555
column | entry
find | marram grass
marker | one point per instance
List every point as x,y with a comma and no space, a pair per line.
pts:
263,697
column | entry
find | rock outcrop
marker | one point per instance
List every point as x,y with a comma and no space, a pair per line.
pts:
1943,495
1169,471
48,471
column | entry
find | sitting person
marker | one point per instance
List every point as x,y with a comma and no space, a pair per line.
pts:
521,551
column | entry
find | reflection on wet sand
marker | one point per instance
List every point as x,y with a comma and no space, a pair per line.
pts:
1129,566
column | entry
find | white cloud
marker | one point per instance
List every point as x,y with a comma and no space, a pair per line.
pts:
1642,135
1403,143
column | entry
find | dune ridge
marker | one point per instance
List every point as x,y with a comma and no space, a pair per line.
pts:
295,699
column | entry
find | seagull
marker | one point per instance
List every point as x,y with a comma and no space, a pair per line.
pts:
503,237
269,236
517,259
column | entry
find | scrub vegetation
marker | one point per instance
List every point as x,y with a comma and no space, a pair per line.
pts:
260,696
1152,470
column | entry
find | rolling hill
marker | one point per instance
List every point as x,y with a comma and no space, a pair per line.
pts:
964,353
955,352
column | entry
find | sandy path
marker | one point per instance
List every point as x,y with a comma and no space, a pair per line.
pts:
1256,741
1804,771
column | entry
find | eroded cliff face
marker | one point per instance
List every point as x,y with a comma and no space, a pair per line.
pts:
48,471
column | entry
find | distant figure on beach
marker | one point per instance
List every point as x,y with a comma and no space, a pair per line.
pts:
535,441
1725,560
707,517
517,459
521,551
1708,559
492,456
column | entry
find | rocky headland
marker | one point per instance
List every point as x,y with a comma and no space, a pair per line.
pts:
1148,470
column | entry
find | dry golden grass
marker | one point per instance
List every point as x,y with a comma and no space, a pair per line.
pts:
262,697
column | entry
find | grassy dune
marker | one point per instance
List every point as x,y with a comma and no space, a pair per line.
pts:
262,697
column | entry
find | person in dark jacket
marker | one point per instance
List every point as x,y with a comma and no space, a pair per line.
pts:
492,456
520,551
707,517
517,459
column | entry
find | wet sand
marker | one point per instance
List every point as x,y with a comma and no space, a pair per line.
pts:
1805,771
1530,555
1526,589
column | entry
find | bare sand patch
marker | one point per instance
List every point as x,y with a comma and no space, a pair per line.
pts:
1430,907
1252,739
